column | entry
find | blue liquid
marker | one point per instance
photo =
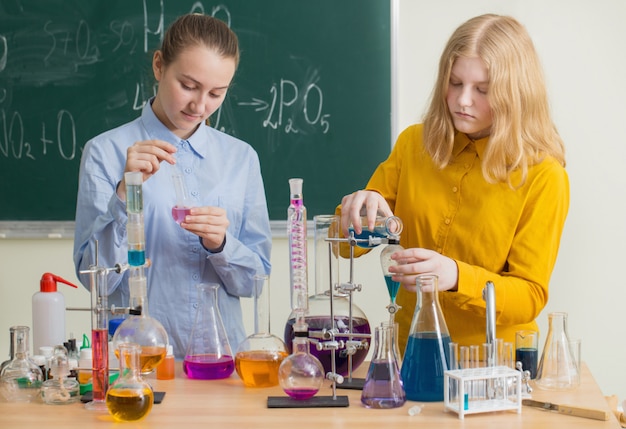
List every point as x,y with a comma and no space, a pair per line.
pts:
365,235
392,287
423,366
528,358
136,258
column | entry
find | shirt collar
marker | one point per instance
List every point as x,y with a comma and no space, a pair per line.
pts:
462,142
198,141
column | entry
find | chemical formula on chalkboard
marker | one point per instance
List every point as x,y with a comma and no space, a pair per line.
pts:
312,91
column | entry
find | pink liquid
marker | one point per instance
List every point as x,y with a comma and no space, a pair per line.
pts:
208,367
179,213
100,365
301,393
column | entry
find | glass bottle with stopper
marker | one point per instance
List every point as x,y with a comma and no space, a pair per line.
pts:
129,398
259,356
384,227
21,379
60,389
208,355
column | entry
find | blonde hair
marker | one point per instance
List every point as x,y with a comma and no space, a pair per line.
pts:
522,131
196,29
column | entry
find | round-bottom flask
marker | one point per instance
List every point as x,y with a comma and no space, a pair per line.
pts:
21,379
259,356
318,320
301,374
130,398
208,355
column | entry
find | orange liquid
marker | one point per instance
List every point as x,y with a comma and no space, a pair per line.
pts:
149,358
259,368
126,405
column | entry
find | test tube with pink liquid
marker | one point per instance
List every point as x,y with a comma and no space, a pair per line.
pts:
183,201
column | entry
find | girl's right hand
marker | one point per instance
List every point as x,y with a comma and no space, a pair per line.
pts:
354,204
146,156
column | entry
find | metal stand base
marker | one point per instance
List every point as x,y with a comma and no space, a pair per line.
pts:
314,402
354,384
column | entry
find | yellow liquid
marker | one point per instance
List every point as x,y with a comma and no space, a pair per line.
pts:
127,405
149,358
259,368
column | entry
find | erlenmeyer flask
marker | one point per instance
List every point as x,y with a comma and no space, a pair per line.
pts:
259,356
143,330
209,355
558,368
21,379
427,351
129,398
383,385
327,269
301,374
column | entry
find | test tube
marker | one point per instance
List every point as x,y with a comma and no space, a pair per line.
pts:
135,225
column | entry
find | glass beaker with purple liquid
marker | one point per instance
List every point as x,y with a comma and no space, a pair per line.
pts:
209,355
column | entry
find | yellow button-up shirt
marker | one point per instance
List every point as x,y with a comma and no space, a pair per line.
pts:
493,232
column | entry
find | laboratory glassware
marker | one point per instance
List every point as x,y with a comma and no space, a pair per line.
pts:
11,348
59,389
183,201
384,227
21,379
208,355
526,351
259,356
427,351
300,374
99,338
298,274
393,245
142,329
129,398
383,385
327,263
558,368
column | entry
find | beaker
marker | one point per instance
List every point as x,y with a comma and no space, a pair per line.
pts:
301,374
558,368
384,227
129,398
526,351
142,329
327,264
21,379
383,385
208,355
427,351
259,356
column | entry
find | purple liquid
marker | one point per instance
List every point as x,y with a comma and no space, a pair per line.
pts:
179,213
383,386
208,367
359,326
301,393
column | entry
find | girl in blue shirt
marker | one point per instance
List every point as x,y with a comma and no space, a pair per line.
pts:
226,238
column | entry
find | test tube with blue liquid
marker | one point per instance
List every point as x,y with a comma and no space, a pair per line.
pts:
134,226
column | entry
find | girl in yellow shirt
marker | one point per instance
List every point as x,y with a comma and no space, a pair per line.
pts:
480,186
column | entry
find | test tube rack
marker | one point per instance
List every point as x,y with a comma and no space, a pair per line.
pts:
482,390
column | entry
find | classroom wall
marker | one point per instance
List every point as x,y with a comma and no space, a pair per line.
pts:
580,44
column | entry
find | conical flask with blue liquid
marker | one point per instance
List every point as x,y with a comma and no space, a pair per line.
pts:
427,351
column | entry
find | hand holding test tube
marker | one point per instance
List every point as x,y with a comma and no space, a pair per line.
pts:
183,202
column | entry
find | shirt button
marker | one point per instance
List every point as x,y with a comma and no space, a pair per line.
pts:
439,250
188,170
467,165
195,305
194,193
447,221
455,189
195,277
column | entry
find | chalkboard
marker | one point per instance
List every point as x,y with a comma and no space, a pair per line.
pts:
312,93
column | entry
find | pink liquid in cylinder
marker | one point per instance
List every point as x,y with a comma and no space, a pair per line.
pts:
179,213
208,367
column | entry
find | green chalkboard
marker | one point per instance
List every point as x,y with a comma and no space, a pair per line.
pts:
312,93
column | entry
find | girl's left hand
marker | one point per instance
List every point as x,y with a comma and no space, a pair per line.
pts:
412,262
209,223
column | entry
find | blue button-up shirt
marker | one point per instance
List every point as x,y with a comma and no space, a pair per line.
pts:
219,170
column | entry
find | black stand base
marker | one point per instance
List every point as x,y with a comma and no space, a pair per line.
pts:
314,402
353,384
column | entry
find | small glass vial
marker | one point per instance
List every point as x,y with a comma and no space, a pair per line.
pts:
20,380
165,370
60,390
130,398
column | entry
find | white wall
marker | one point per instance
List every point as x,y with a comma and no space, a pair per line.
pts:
581,46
